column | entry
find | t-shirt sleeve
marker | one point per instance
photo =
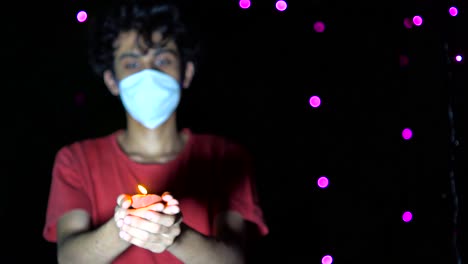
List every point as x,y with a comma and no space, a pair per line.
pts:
66,191
244,197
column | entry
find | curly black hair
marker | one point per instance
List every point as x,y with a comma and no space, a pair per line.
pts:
144,16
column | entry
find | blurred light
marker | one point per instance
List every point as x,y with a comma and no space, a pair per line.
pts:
407,133
314,101
327,259
408,23
322,182
417,20
404,61
319,26
81,16
407,216
453,11
458,58
244,4
281,5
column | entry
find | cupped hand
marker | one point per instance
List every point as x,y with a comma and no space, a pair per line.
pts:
153,227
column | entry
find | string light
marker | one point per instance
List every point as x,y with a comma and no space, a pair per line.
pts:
453,11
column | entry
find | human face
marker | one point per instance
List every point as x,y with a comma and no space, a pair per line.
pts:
132,55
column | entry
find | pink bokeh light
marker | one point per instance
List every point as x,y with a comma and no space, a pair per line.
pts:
453,11
407,216
315,101
417,20
281,5
322,182
81,16
327,259
319,26
458,58
407,134
244,4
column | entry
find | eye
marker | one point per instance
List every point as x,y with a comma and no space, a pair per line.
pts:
162,62
132,65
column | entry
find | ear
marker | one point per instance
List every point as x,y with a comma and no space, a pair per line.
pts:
110,82
188,75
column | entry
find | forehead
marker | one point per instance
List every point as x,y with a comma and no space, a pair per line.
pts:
131,40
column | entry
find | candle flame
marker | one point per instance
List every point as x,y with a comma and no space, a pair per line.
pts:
142,189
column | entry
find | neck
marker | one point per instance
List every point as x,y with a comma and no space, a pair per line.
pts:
151,143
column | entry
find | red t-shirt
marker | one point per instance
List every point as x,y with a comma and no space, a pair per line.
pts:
210,175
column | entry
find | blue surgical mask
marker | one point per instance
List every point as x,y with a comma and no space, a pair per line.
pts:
150,96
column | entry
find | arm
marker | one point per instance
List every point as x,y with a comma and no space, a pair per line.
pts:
228,245
158,230
77,243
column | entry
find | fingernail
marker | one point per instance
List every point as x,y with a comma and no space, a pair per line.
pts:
173,202
172,210
123,235
167,197
120,223
126,204
159,207
175,209
127,220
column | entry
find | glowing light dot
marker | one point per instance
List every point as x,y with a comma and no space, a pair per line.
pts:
408,23
314,101
417,20
281,5
319,26
327,259
407,216
244,4
81,16
453,11
322,182
407,134
458,58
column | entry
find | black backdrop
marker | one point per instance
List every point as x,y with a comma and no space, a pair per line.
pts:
259,68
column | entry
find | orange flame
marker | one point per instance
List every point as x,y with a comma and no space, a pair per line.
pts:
142,189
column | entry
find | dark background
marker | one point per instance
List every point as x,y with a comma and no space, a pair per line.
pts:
259,68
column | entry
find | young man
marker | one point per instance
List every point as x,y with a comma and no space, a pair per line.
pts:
206,208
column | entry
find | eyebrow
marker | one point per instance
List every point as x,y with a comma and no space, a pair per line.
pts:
128,54
157,52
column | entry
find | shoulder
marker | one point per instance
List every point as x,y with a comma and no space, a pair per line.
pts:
218,143
223,148
85,146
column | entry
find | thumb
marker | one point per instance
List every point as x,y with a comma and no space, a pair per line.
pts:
124,201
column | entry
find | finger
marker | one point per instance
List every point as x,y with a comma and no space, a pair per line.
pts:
119,213
167,196
173,202
158,207
124,201
172,210
144,213
145,225
158,218
173,231
134,231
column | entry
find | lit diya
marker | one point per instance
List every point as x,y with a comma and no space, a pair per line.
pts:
144,199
